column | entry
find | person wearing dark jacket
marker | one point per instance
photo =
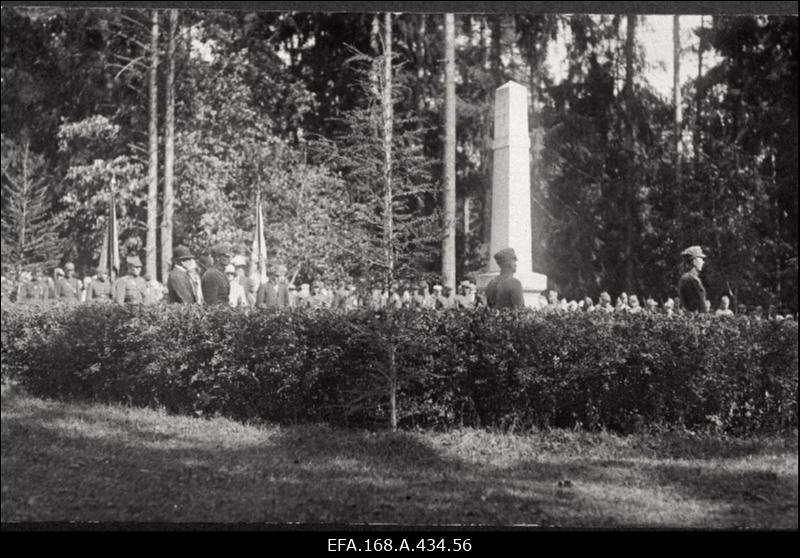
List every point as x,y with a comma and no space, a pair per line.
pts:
505,290
690,288
216,289
180,288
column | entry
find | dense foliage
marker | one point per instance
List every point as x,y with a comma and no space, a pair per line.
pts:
480,368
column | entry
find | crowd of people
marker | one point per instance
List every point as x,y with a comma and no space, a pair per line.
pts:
222,278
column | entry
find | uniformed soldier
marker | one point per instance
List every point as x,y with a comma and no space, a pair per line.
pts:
633,305
236,295
180,287
35,290
690,288
605,303
68,287
283,286
7,288
446,300
99,289
216,287
267,294
462,298
318,298
422,297
131,289
724,307
505,291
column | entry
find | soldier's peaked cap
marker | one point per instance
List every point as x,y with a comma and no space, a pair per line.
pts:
505,255
133,261
70,266
694,252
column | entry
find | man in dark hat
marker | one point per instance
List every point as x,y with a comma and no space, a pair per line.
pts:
130,289
216,289
100,288
180,288
68,287
690,288
505,291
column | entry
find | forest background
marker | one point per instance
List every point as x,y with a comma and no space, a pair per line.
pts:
623,178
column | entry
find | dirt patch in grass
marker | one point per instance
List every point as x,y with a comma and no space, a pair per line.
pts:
79,462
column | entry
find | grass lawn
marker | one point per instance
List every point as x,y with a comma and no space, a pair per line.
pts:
67,461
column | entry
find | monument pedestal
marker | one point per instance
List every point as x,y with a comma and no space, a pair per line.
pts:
511,192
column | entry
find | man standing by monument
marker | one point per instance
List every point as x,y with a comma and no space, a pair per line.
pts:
690,288
505,291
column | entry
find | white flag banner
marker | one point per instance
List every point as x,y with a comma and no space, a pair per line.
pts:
259,252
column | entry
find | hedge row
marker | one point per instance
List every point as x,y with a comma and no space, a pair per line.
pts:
472,368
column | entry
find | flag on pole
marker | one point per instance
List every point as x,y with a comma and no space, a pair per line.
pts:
259,253
109,256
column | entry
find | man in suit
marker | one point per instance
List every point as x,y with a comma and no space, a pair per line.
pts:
180,288
216,288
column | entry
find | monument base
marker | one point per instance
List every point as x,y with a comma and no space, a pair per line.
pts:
533,284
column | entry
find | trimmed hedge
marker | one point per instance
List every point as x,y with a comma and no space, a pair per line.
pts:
471,368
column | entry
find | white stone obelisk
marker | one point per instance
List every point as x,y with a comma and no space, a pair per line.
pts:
511,191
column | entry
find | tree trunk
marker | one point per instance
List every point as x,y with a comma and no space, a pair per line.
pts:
388,125
152,177
449,242
696,137
169,151
393,385
630,191
676,98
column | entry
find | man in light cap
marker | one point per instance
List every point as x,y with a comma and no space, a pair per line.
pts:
505,291
690,288
131,289
216,288
180,287
68,287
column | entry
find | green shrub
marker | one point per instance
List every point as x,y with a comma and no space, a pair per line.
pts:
453,368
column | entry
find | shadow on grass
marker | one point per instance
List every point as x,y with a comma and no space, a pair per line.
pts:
91,463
